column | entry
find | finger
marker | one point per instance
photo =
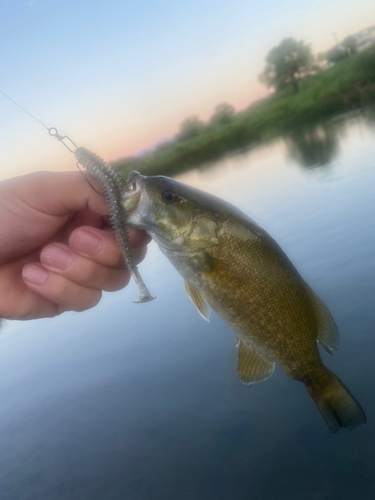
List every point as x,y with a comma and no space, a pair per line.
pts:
138,238
58,193
68,295
60,259
79,219
17,301
101,246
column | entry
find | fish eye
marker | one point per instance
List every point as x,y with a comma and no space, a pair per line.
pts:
132,186
169,196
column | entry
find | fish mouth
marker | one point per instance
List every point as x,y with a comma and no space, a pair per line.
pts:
136,201
132,191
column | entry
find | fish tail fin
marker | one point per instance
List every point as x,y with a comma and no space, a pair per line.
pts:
337,406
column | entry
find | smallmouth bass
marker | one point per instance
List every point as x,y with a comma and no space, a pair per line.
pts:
230,264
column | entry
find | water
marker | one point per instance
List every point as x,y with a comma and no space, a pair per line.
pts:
141,401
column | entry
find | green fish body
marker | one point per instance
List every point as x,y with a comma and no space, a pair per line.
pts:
233,266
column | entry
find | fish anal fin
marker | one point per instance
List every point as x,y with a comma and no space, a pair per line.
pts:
252,367
328,335
198,300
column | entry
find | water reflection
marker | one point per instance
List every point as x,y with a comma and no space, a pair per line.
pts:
314,148
318,146
369,117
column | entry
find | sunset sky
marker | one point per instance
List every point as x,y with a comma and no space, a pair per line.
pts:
119,76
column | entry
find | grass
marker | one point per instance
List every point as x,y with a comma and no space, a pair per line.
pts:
348,85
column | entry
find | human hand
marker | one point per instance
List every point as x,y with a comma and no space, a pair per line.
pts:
57,251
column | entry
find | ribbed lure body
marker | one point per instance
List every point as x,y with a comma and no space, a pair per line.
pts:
112,186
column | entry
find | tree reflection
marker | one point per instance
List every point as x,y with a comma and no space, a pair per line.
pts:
370,116
315,147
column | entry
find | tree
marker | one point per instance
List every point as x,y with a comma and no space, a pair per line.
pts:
190,127
286,64
341,51
336,54
224,113
350,45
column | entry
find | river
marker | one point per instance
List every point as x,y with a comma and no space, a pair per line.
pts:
142,401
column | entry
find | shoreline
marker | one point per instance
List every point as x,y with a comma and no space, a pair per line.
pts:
347,86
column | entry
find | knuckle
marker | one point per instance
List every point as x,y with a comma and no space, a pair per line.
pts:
91,274
59,287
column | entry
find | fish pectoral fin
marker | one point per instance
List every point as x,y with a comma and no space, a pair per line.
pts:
252,367
328,335
198,300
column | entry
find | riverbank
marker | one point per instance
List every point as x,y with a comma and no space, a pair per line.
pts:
348,85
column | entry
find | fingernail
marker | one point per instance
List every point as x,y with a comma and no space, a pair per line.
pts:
35,274
86,242
57,257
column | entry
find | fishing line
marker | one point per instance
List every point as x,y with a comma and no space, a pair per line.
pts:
64,139
23,109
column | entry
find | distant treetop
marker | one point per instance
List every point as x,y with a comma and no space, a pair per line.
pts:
190,127
286,64
224,113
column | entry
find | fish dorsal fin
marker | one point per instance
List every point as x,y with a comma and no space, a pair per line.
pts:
198,300
252,367
328,335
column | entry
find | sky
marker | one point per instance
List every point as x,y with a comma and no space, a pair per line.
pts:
119,76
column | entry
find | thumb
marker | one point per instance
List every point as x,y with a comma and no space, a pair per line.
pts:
58,193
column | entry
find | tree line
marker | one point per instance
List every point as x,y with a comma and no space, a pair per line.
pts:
285,66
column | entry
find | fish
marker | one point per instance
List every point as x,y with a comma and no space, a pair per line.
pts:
234,267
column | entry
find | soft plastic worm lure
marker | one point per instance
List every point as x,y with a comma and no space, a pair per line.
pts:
112,185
